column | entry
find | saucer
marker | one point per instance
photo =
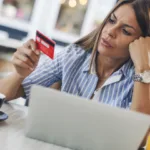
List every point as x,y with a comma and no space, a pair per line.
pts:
3,116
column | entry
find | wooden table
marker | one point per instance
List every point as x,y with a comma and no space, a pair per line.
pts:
12,135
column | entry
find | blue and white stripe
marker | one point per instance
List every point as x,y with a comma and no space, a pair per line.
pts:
71,66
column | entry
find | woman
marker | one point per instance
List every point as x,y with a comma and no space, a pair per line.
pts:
100,66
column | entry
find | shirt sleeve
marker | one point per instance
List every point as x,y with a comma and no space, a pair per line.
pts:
48,72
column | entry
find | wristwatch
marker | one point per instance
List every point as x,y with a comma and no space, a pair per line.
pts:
142,77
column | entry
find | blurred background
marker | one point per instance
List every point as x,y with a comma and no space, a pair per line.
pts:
64,21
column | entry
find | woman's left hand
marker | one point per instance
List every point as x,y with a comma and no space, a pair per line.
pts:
140,54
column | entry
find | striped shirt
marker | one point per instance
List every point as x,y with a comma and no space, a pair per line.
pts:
71,67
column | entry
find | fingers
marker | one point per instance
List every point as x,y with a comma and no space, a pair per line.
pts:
21,64
23,58
31,45
28,53
27,56
140,52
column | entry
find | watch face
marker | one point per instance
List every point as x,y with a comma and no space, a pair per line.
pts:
142,77
146,77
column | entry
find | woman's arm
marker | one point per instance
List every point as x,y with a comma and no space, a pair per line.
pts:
11,86
140,55
141,98
24,61
141,101
139,52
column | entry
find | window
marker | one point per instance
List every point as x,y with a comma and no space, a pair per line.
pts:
18,9
71,16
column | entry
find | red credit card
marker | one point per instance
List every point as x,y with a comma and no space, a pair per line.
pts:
45,44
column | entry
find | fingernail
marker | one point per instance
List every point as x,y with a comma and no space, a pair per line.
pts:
32,49
37,52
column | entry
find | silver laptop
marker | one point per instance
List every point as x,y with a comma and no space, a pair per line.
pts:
80,124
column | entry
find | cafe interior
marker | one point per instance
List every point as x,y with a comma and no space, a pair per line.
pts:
63,21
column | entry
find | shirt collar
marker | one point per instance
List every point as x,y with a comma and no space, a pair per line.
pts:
125,69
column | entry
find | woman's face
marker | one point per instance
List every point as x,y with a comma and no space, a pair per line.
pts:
120,30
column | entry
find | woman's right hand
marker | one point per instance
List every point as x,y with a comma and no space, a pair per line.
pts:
26,58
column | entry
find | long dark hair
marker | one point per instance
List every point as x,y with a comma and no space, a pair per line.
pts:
141,9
